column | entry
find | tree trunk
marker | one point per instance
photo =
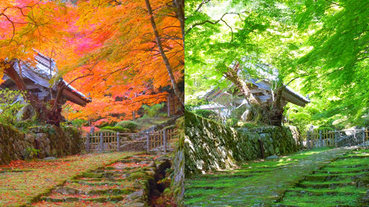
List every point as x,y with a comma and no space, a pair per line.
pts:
273,112
177,92
232,75
179,4
269,113
45,115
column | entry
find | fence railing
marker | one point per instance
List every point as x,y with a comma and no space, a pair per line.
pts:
336,138
116,141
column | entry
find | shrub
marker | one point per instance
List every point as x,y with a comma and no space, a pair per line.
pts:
11,105
237,113
104,122
31,153
131,125
107,130
206,113
116,129
232,122
152,111
78,122
250,125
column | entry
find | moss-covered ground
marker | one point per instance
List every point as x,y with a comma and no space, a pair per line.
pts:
319,177
343,182
86,180
117,184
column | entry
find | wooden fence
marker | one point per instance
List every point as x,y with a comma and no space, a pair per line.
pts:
322,138
115,141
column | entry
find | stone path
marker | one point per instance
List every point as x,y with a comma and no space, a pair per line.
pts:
120,184
343,182
269,182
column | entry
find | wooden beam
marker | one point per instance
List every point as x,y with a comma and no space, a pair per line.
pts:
13,74
73,98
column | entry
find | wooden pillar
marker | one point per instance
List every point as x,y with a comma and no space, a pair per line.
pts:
101,142
133,115
148,142
320,138
87,144
355,138
118,144
165,140
308,140
363,134
92,131
168,105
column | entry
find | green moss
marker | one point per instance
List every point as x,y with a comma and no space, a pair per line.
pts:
255,180
92,175
115,129
131,125
138,175
307,200
212,146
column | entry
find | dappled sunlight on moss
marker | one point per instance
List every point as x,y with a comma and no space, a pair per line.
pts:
266,181
342,182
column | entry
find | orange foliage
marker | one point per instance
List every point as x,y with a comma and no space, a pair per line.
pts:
106,48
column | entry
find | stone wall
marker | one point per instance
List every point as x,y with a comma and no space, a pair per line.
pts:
211,146
178,176
39,142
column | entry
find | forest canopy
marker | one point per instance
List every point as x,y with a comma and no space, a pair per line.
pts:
106,49
319,47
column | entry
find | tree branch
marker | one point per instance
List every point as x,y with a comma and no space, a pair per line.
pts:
211,22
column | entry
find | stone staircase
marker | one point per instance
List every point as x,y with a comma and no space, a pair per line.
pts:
124,183
343,182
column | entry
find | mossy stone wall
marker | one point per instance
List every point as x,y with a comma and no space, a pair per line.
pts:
211,146
178,165
40,142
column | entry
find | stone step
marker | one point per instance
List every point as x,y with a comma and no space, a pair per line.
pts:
90,198
233,176
326,191
100,183
205,188
307,200
325,185
328,177
342,170
10,170
80,190
353,157
113,169
315,193
79,204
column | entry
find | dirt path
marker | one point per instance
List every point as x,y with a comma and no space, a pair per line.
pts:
265,183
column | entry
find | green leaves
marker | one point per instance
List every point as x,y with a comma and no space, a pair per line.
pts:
11,102
324,44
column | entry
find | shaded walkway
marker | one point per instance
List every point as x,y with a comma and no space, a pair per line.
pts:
258,183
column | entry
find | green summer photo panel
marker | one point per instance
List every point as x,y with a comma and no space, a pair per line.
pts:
91,103
276,107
